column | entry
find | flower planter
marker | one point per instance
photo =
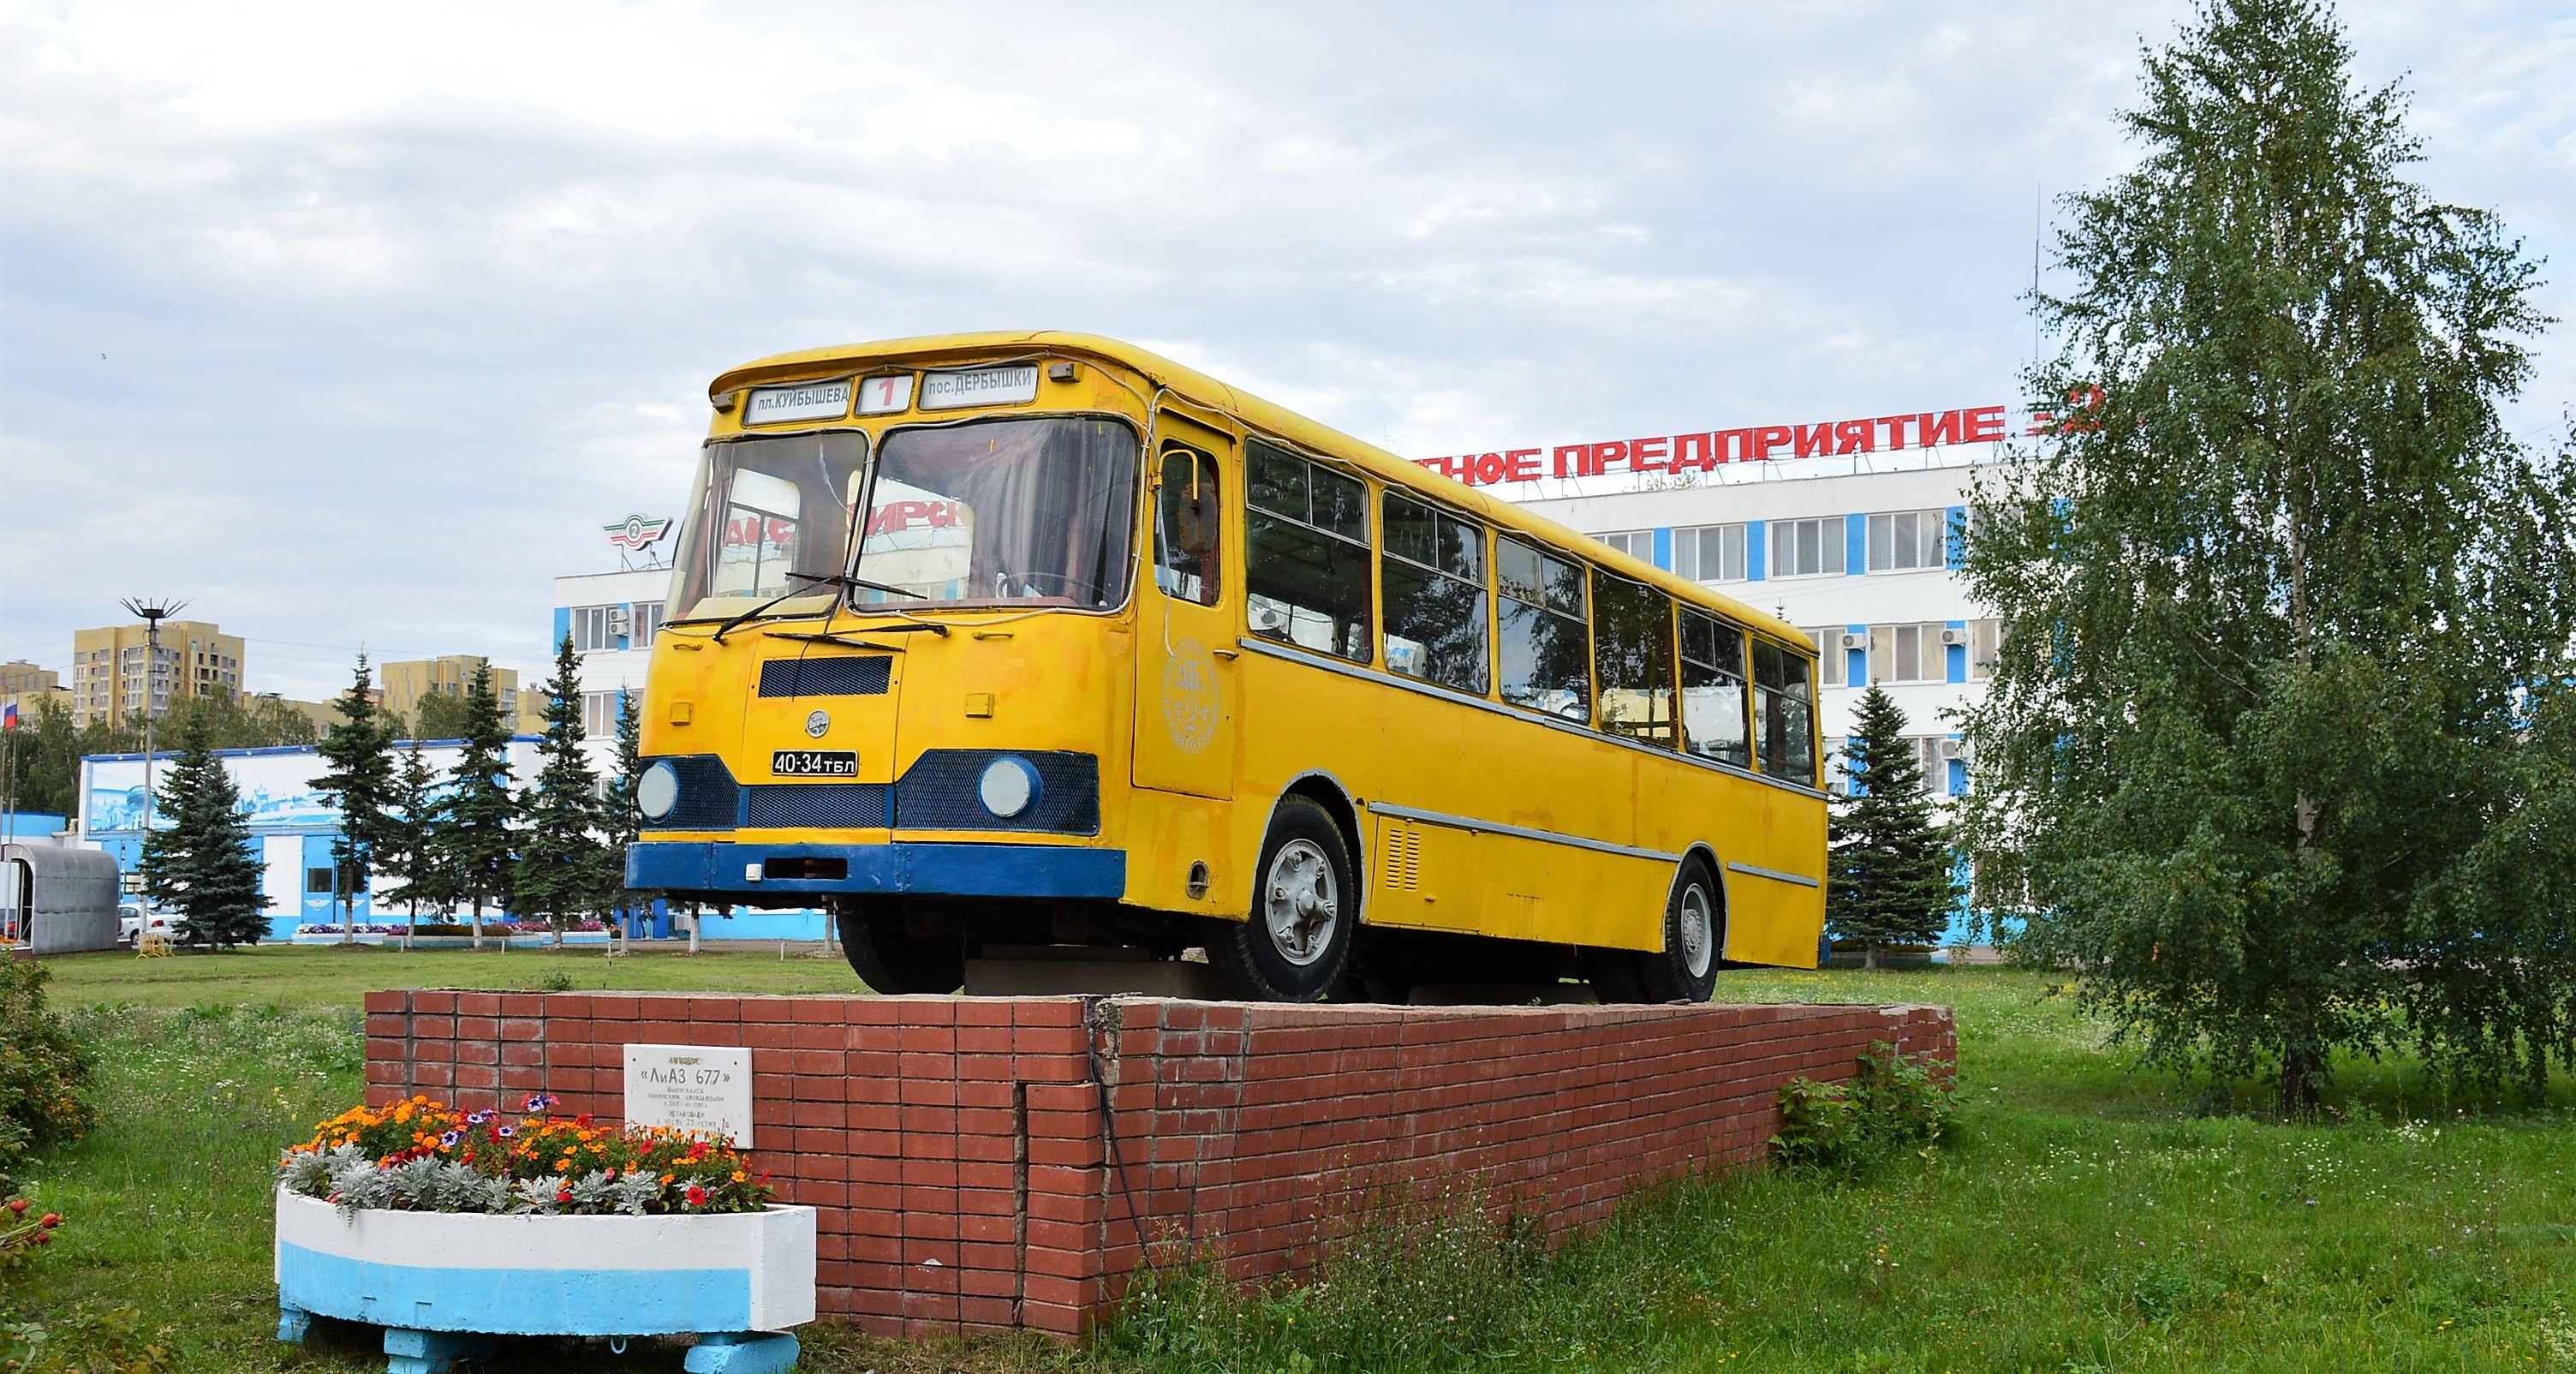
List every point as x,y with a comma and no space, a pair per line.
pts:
443,1283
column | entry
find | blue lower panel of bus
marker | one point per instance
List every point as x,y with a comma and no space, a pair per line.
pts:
962,870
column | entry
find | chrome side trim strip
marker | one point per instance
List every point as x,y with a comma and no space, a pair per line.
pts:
1270,649
1470,823
1775,875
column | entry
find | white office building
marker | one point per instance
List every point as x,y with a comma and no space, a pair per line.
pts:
1862,560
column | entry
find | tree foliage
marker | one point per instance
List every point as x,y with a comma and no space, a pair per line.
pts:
415,837
200,863
622,820
480,847
42,756
561,875
441,715
2287,611
359,783
1890,869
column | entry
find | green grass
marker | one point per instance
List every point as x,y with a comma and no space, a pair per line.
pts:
2081,1218
296,976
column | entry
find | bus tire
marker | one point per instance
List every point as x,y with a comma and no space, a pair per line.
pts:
889,958
1296,940
1685,969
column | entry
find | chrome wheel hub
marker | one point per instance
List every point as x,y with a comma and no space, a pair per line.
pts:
1698,931
1299,902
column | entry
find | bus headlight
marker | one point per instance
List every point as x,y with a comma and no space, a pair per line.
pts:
658,790
1007,787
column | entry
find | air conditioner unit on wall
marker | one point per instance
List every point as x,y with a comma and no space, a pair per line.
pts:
1954,636
620,620
1852,640
1953,750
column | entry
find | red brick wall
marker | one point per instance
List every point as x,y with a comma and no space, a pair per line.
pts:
955,1145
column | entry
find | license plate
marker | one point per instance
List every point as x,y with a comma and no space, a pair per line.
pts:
814,763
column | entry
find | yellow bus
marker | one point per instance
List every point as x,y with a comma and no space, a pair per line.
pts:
992,641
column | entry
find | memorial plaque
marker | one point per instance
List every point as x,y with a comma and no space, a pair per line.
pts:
694,1087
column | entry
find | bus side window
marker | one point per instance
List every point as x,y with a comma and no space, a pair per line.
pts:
1784,713
1434,571
1185,527
1632,645
1306,553
1546,664
1713,689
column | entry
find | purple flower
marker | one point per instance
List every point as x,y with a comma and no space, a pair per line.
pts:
451,1137
538,1102
506,1132
477,1118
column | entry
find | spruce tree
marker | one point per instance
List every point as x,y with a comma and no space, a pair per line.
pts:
201,862
359,783
1890,870
560,874
623,822
480,846
413,845
2263,756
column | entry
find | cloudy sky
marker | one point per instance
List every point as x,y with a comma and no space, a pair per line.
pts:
352,324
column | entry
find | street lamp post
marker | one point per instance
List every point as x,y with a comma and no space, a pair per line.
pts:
153,613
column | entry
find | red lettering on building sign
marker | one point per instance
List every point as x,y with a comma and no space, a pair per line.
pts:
746,531
1702,452
2083,403
898,516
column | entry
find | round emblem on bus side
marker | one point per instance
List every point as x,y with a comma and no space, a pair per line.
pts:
817,723
1189,696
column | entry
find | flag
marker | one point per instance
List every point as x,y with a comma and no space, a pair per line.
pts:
9,716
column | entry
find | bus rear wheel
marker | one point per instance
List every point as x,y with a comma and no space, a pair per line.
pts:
1305,908
1685,969
889,958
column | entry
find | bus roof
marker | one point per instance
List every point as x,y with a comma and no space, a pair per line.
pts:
1264,416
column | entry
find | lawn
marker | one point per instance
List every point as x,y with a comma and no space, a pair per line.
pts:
296,977
2081,1218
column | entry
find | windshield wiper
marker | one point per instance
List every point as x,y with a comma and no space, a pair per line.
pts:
824,579
828,638
840,580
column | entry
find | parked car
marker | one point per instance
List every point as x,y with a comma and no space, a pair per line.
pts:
134,918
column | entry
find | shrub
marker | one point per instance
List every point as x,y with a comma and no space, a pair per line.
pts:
44,1072
87,1340
1891,1105
421,1155
24,1229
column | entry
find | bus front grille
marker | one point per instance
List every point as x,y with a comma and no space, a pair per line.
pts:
818,806
825,677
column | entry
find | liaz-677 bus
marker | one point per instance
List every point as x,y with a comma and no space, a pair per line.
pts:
990,641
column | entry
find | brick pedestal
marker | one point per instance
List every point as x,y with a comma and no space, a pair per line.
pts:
957,1149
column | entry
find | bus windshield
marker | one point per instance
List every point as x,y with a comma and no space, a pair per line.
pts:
1019,512
768,509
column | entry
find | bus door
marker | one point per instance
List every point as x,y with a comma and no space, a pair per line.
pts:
1186,689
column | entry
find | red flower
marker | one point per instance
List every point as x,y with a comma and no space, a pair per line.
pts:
563,1195
697,1196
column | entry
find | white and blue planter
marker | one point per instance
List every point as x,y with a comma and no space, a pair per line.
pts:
443,1284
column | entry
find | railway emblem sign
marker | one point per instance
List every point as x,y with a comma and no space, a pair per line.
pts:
637,531
1189,696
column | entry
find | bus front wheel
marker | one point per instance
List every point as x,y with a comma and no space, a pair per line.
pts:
891,959
1685,969
1297,940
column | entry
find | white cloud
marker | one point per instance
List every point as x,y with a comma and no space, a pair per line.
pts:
399,306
